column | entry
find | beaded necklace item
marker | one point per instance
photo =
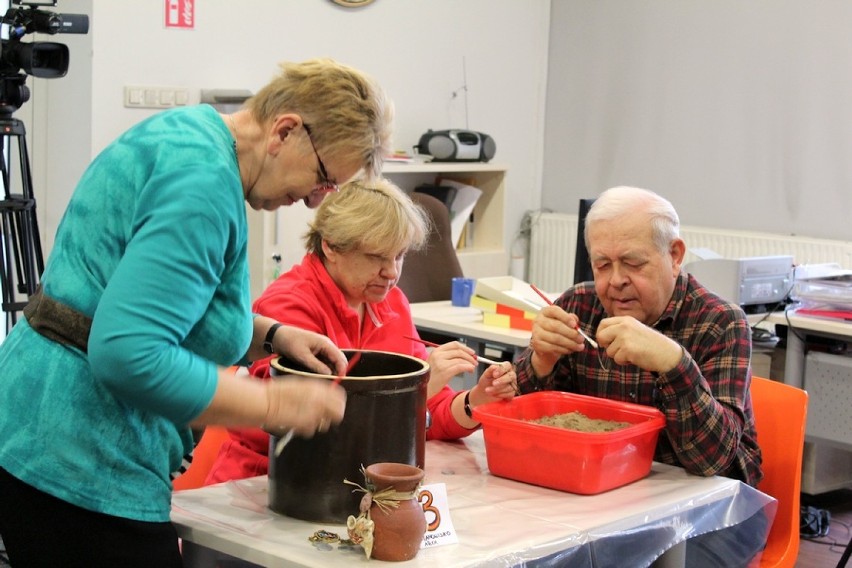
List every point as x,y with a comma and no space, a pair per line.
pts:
236,154
234,127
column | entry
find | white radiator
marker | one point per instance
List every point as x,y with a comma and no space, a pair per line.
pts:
553,238
553,241
737,244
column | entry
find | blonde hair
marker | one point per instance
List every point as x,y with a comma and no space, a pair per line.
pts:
375,215
349,114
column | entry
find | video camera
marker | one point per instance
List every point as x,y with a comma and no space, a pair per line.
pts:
43,59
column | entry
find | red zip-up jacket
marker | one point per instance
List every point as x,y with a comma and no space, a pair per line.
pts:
307,297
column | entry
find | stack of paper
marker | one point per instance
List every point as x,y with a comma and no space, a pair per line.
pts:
461,209
823,287
399,156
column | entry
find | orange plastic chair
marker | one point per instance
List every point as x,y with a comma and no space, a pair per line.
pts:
202,458
204,455
780,413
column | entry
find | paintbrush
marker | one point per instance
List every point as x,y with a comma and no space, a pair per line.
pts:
479,358
285,439
591,341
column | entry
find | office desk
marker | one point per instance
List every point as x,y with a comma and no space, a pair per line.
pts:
824,375
499,522
827,463
466,324
794,361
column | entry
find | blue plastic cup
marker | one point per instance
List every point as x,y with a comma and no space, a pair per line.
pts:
462,291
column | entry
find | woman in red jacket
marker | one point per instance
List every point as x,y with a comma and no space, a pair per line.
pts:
345,289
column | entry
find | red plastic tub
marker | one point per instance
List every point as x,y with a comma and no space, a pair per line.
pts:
578,462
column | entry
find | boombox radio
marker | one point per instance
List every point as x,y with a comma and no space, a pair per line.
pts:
457,146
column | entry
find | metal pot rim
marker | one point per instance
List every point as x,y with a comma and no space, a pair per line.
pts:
276,364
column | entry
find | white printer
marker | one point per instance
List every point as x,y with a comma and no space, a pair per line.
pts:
752,282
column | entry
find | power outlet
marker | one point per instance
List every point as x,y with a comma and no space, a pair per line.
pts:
155,97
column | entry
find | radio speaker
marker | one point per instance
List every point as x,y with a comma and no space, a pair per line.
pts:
489,148
441,147
457,146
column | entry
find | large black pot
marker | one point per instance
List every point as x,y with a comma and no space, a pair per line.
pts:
384,421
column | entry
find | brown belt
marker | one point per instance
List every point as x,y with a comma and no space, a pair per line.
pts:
57,321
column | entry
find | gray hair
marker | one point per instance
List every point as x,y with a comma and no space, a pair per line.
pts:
623,200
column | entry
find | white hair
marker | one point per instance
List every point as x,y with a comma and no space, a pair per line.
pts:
624,200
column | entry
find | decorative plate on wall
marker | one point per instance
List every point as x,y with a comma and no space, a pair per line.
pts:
352,3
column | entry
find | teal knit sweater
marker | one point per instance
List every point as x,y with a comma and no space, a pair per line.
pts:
152,246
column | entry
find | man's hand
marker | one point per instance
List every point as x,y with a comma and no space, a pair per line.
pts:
628,341
554,334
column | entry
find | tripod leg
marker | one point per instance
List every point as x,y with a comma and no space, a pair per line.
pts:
6,281
22,263
845,557
27,188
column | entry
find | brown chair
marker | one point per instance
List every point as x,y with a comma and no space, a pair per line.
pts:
427,274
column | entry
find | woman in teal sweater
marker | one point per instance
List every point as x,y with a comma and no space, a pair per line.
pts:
143,305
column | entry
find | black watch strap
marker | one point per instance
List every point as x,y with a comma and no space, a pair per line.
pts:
267,343
467,409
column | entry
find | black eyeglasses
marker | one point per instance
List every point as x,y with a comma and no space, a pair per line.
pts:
325,184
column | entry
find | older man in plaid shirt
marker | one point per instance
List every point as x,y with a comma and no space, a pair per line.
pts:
663,340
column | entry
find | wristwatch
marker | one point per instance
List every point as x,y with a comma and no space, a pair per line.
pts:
467,409
267,343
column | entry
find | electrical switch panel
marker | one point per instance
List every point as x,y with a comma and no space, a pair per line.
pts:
155,97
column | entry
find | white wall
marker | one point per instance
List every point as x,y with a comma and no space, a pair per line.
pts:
413,47
58,120
739,112
736,111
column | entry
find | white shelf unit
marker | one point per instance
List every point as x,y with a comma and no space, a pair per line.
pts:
488,255
264,244
279,232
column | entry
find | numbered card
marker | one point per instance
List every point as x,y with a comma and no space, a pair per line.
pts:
439,525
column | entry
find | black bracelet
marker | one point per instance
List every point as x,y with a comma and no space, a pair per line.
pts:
467,410
270,335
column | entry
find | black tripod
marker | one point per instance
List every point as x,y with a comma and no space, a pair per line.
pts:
21,259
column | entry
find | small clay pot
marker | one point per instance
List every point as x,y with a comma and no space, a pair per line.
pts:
398,531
